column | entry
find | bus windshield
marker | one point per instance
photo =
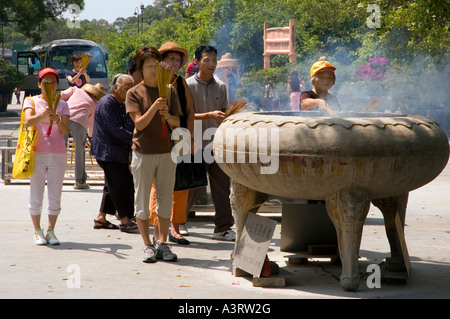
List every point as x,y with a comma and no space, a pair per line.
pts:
60,60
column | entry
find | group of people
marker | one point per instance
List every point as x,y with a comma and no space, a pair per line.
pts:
129,143
322,78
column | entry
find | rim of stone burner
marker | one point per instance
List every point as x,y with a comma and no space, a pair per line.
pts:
346,119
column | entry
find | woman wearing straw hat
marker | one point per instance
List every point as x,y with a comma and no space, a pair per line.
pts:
224,72
82,103
176,57
50,154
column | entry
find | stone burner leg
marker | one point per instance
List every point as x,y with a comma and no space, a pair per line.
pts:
347,210
394,213
243,201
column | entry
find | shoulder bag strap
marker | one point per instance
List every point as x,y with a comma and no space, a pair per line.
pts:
22,117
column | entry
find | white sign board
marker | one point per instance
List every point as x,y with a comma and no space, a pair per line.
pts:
254,244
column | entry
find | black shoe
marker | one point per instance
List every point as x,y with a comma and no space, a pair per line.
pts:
179,241
163,252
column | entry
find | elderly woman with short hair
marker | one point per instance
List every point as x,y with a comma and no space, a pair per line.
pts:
111,147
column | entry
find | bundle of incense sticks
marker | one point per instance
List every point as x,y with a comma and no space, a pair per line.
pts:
85,58
51,101
49,92
371,105
330,111
163,76
238,106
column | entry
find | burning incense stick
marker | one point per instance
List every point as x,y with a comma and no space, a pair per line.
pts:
371,105
238,106
330,111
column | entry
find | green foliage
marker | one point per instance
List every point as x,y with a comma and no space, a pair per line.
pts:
27,16
411,29
189,27
265,86
121,48
10,77
412,33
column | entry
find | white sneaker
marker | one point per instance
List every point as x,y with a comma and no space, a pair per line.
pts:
228,235
81,186
149,254
183,230
39,238
51,238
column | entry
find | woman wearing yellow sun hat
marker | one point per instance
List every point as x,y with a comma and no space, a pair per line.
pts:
322,78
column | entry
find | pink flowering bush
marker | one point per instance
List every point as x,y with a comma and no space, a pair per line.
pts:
375,69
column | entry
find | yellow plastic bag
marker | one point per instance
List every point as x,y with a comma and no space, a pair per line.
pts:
24,158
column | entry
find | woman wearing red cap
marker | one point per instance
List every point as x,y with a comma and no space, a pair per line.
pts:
322,78
49,155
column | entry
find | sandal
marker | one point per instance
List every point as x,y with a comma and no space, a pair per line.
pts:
106,225
129,227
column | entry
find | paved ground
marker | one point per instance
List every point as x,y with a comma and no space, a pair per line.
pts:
109,262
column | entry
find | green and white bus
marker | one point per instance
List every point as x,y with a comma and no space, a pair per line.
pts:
57,54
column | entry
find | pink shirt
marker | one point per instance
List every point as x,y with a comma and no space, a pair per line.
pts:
55,143
81,106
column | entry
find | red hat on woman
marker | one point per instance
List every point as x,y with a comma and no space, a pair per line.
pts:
47,71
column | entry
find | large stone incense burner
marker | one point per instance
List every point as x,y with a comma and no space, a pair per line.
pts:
348,161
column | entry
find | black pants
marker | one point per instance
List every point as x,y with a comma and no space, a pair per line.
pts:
118,192
220,192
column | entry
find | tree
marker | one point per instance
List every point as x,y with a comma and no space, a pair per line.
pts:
121,47
28,16
247,29
412,29
10,78
189,25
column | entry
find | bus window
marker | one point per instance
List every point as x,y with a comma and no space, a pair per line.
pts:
57,55
28,63
97,67
61,60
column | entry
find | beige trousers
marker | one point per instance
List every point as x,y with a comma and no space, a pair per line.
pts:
146,168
